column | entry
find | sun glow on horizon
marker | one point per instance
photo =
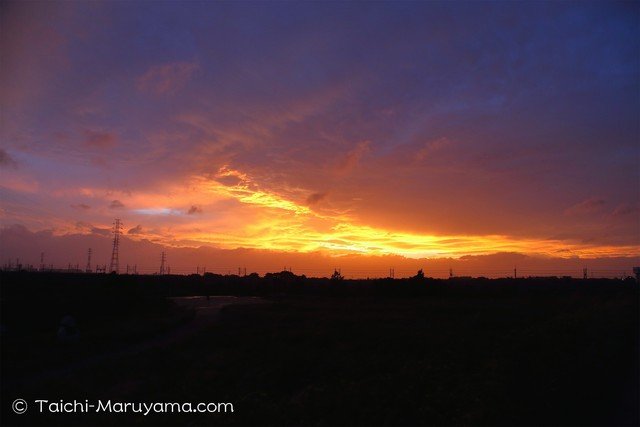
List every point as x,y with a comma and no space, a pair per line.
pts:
236,210
264,219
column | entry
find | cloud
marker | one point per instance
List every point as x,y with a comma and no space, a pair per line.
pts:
86,227
167,78
18,241
625,209
116,204
100,231
316,198
588,206
431,147
230,177
303,126
99,139
352,158
6,160
81,207
229,180
194,210
135,230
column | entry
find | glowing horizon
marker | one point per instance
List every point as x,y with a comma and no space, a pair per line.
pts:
287,226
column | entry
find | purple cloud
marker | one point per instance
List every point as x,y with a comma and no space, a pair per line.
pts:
167,78
588,206
99,139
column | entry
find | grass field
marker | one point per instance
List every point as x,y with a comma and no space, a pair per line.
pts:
557,354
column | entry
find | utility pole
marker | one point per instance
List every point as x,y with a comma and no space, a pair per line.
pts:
114,266
41,261
584,273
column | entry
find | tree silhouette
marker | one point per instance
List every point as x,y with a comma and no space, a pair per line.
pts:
336,275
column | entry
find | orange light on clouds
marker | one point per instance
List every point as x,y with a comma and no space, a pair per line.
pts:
236,211
266,220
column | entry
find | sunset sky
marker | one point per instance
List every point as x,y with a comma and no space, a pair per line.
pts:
361,131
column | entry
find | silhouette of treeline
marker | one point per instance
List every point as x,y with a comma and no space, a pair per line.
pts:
289,283
286,282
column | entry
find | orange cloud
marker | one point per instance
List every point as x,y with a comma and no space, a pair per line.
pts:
353,157
81,207
236,211
283,224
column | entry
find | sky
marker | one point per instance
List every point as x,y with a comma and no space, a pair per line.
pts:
321,133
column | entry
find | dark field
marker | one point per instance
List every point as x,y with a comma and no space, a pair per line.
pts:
317,352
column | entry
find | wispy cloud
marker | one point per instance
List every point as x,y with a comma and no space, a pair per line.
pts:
6,160
626,209
135,230
116,204
167,78
587,206
353,157
81,207
99,139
